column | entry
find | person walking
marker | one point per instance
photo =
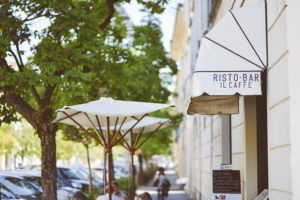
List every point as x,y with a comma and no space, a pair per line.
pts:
79,196
144,196
117,194
163,184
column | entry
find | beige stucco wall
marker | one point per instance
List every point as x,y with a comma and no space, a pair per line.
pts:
199,148
279,141
293,42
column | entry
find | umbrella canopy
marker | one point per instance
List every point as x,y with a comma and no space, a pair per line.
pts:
96,112
132,143
148,124
105,113
232,55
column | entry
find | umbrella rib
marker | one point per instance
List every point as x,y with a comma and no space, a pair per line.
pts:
141,130
125,146
100,128
128,146
232,52
117,119
84,129
108,132
247,38
94,127
130,129
150,135
118,131
66,117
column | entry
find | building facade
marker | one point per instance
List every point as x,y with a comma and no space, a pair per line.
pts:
263,140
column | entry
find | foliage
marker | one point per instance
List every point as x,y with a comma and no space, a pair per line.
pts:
27,139
125,184
7,139
147,176
67,149
76,48
160,142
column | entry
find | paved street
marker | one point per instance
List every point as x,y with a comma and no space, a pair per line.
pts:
174,194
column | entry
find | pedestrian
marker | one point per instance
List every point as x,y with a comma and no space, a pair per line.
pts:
144,196
162,183
79,196
116,193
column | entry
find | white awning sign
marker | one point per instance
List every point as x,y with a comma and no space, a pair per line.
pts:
228,83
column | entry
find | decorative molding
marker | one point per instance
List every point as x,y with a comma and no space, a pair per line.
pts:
214,10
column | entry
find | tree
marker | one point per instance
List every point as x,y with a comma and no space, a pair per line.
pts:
82,47
74,134
28,142
160,142
7,139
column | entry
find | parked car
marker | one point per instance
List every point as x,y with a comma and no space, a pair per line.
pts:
19,187
5,194
98,181
119,171
70,176
34,177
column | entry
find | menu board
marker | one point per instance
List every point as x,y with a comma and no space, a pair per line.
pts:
226,185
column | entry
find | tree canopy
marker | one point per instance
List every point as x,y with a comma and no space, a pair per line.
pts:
56,53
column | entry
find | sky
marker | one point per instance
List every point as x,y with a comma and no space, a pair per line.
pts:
167,19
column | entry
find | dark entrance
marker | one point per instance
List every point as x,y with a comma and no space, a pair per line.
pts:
262,137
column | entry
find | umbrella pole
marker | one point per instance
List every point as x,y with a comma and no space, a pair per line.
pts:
132,175
108,149
109,174
132,151
104,176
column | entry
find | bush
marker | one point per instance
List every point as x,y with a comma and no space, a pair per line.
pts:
147,176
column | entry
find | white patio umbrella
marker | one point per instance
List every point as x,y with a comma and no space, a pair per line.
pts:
147,125
235,49
106,112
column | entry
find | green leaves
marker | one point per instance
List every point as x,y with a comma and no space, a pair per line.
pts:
72,54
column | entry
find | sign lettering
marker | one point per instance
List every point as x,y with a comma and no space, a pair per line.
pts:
229,83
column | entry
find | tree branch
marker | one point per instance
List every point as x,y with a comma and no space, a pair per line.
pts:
18,103
4,62
111,10
20,57
36,95
47,95
16,58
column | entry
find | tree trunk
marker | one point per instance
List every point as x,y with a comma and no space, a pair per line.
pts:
89,165
48,145
140,157
112,166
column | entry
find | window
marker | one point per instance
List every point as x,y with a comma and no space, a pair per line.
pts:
226,140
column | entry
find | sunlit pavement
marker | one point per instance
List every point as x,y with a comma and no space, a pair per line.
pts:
174,193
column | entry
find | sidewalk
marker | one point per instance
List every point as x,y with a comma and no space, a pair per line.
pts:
174,193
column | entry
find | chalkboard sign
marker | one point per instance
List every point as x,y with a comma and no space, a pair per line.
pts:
226,181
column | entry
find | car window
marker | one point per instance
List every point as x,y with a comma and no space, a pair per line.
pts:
35,180
60,183
36,168
5,192
19,186
69,173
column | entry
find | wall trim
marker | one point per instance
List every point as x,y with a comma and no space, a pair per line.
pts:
277,18
279,146
282,191
240,124
279,102
278,60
